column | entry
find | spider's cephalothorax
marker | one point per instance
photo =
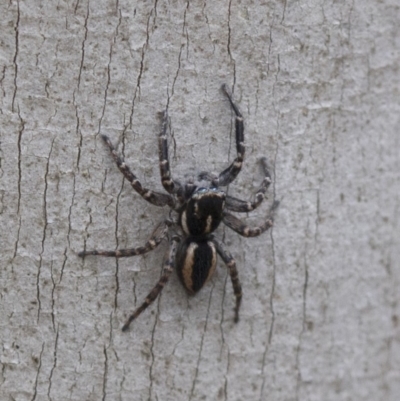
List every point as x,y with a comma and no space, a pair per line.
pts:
199,209
202,213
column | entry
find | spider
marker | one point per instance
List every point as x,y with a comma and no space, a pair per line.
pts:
198,209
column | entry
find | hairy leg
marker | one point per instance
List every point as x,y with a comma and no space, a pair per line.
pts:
240,206
231,265
229,174
237,225
168,267
155,198
170,185
155,239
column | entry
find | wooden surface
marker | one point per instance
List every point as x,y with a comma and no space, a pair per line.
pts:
319,87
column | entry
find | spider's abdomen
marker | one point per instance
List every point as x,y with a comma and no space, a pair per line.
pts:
203,212
195,263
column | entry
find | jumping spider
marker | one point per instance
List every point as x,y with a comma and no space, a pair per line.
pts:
199,209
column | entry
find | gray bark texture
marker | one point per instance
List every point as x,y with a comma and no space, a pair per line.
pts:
318,84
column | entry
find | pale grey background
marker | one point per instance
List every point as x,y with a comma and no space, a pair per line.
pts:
318,83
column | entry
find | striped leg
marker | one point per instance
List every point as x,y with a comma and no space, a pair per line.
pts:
228,175
170,185
155,239
237,225
156,198
169,264
231,264
240,206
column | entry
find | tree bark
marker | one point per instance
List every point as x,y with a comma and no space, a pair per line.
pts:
318,85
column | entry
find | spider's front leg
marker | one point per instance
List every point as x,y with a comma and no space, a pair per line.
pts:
168,267
240,206
229,174
237,225
170,185
231,265
156,198
155,239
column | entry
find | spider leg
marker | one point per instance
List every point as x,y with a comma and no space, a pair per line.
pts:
169,263
231,265
156,198
170,185
155,239
229,174
240,206
237,225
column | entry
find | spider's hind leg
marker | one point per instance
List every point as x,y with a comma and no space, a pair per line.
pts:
169,264
231,265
